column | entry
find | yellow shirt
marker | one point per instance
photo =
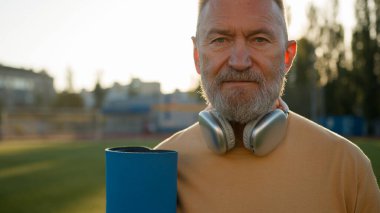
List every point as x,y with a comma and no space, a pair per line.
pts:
312,170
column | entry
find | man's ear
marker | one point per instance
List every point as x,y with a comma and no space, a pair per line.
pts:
196,55
290,54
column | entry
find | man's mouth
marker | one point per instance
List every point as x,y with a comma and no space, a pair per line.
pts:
239,83
232,81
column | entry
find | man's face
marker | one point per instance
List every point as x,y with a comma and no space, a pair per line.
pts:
242,54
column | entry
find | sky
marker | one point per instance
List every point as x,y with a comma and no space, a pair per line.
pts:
114,39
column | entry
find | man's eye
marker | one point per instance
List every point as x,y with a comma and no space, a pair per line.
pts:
260,40
219,41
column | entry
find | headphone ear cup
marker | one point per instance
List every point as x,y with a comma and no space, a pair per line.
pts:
227,129
264,135
247,134
218,132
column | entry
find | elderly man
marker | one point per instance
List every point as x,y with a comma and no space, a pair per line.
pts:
248,152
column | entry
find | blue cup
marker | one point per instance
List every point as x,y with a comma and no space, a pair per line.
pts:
141,180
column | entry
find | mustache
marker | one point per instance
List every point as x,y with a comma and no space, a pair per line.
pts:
234,75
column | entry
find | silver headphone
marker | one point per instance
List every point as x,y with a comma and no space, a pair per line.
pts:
261,136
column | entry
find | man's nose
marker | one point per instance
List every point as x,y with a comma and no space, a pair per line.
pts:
240,59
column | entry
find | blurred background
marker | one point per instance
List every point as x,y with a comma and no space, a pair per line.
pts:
77,76
97,67
114,67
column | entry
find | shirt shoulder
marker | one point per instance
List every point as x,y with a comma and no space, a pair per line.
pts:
190,137
308,133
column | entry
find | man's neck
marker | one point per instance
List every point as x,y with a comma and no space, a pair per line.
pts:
238,132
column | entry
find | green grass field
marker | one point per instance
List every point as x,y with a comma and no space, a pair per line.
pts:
69,176
56,177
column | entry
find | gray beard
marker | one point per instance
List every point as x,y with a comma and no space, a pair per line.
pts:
238,105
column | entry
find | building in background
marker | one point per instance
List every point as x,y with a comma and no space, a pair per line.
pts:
177,111
25,88
140,107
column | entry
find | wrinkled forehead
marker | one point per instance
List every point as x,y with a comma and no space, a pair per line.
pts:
233,11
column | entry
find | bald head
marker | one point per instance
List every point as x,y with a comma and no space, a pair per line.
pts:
280,4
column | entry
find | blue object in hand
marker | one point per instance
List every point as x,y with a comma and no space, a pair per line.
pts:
141,180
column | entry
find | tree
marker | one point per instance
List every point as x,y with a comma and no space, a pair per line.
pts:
340,94
68,100
98,92
327,35
300,80
366,57
329,40
69,79
340,87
